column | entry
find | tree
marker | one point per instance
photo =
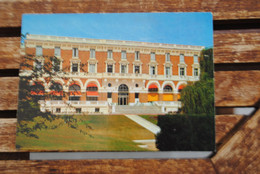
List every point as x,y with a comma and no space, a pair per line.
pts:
31,91
199,97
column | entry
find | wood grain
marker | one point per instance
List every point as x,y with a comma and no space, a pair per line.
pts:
109,166
242,46
11,11
224,123
232,88
237,88
241,152
237,46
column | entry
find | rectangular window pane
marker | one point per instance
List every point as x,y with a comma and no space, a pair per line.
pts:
137,55
195,59
182,71
109,68
91,98
167,71
152,70
123,55
92,68
136,95
123,68
56,65
75,52
182,58
137,69
196,72
74,67
38,65
92,53
57,51
109,95
109,54
152,56
167,57
38,51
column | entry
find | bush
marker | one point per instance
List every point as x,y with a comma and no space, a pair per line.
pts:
186,132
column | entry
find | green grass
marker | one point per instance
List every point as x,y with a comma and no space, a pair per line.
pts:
108,133
152,118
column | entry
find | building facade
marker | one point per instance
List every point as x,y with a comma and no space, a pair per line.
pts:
99,75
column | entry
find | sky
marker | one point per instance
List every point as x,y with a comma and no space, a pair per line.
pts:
171,28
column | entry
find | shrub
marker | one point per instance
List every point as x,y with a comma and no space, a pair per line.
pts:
186,132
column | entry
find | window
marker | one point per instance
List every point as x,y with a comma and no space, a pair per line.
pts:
56,65
92,68
109,85
167,88
137,55
75,52
167,57
109,95
136,95
109,68
58,110
123,68
123,55
181,58
57,51
152,56
78,110
75,67
92,98
182,72
109,54
92,53
96,109
74,98
196,72
137,69
38,51
167,71
195,57
38,65
152,70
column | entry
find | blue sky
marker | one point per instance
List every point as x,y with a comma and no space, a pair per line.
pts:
173,28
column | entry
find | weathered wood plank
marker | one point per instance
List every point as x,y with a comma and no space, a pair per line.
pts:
11,11
238,88
241,152
10,52
109,166
224,123
229,47
237,46
9,93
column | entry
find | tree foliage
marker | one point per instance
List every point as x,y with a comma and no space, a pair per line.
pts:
199,97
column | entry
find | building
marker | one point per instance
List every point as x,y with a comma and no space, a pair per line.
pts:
101,75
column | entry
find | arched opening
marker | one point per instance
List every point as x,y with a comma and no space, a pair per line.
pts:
167,93
74,92
153,93
123,94
37,91
56,91
92,92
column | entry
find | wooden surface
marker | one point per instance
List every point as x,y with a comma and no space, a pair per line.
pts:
11,11
237,136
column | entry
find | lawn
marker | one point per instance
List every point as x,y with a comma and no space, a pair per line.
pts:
152,118
107,133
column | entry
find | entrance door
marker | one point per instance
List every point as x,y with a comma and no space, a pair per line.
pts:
123,95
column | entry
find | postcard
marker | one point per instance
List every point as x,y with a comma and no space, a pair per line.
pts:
116,82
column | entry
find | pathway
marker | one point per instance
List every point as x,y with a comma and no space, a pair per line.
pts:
143,122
